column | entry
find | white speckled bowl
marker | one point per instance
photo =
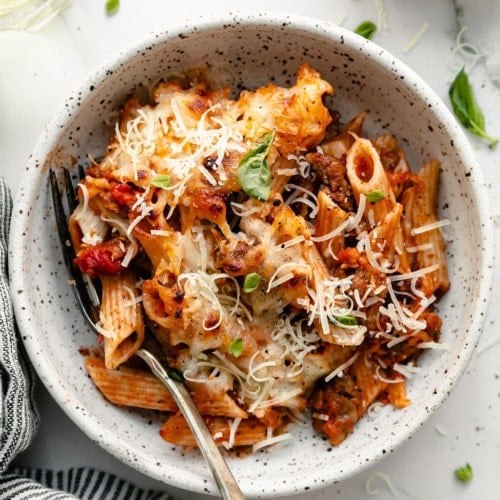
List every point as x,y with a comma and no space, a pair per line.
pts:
248,51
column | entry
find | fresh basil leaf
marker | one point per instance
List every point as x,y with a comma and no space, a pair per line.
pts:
162,181
347,320
467,109
254,174
175,374
251,282
464,473
375,195
366,29
112,6
235,348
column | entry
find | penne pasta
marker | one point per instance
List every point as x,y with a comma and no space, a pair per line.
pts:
329,221
246,432
120,317
423,230
367,175
130,387
281,260
387,240
139,388
394,161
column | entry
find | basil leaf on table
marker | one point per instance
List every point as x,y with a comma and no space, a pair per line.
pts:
466,108
112,6
464,473
254,174
366,29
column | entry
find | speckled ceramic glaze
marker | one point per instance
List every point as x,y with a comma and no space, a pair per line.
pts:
246,51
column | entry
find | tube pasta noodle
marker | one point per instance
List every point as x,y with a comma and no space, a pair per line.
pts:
281,260
129,387
120,318
328,221
424,232
366,174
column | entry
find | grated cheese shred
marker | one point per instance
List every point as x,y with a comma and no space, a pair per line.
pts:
430,227
385,478
415,39
340,369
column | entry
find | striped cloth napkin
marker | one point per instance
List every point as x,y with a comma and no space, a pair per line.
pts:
19,418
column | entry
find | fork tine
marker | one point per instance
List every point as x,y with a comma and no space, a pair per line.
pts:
70,190
79,289
62,226
81,172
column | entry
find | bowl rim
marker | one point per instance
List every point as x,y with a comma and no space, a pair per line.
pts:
383,58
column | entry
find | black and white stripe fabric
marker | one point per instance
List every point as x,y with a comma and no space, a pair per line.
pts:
19,418
77,483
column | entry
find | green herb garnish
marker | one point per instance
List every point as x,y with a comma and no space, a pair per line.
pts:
251,282
464,473
112,6
466,108
254,174
366,29
347,320
235,348
375,195
162,181
175,374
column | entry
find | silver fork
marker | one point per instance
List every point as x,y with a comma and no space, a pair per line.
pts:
225,480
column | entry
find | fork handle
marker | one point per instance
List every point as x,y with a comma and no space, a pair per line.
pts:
223,476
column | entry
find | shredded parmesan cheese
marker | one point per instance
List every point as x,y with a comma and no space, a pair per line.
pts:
103,331
385,379
406,370
320,416
430,227
274,281
440,430
381,15
415,274
304,165
374,409
310,199
433,345
466,50
419,248
416,38
240,210
289,243
385,478
338,372
233,427
272,441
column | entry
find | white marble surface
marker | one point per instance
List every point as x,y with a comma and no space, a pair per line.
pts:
37,70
